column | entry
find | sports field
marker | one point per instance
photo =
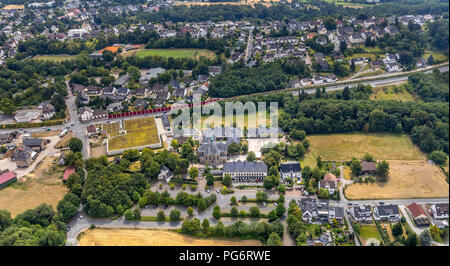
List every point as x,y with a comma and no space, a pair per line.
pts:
140,132
54,58
144,237
175,53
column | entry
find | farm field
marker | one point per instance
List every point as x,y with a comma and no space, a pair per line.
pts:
343,147
175,53
407,179
54,58
140,131
143,237
369,234
44,185
395,93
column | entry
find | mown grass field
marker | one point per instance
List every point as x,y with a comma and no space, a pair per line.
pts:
395,93
437,57
144,237
140,131
54,58
343,147
369,232
175,53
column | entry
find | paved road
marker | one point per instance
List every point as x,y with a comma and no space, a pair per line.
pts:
249,47
78,128
373,83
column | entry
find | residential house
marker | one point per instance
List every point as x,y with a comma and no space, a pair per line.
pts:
114,107
99,114
141,104
83,98
91,130
165,174
439,210
368,168
294,83
418,214
329,183
387,213
123,91
361,213
109,91
6,138
86,113
290,170
141,92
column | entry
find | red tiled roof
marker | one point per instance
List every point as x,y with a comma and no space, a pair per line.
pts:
69,170
6,177
416,210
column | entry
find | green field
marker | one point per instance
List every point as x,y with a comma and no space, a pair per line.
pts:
140,132
343,147
54,58
175,53
369,231
395,93
437,57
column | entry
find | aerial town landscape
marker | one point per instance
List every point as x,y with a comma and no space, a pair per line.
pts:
115,128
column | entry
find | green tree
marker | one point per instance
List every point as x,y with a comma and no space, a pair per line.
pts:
160,216
234,212
280,210
128,214
382,170
274,240
438,157
190,211
355,166
175,215
226,180
201,205
216,212
233,200
193,173
425,238
251,157
75,145
254,211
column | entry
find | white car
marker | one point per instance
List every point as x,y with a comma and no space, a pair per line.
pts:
276,204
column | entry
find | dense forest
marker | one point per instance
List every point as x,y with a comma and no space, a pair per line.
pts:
266,77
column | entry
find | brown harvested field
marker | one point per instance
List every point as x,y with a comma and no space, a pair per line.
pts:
146,237
407,179
44,185
98,151
45,134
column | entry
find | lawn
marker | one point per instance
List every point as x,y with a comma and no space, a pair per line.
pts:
44,185
54,58
144,237
368,233
140,132
407,179
343,147
395,93
175,53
